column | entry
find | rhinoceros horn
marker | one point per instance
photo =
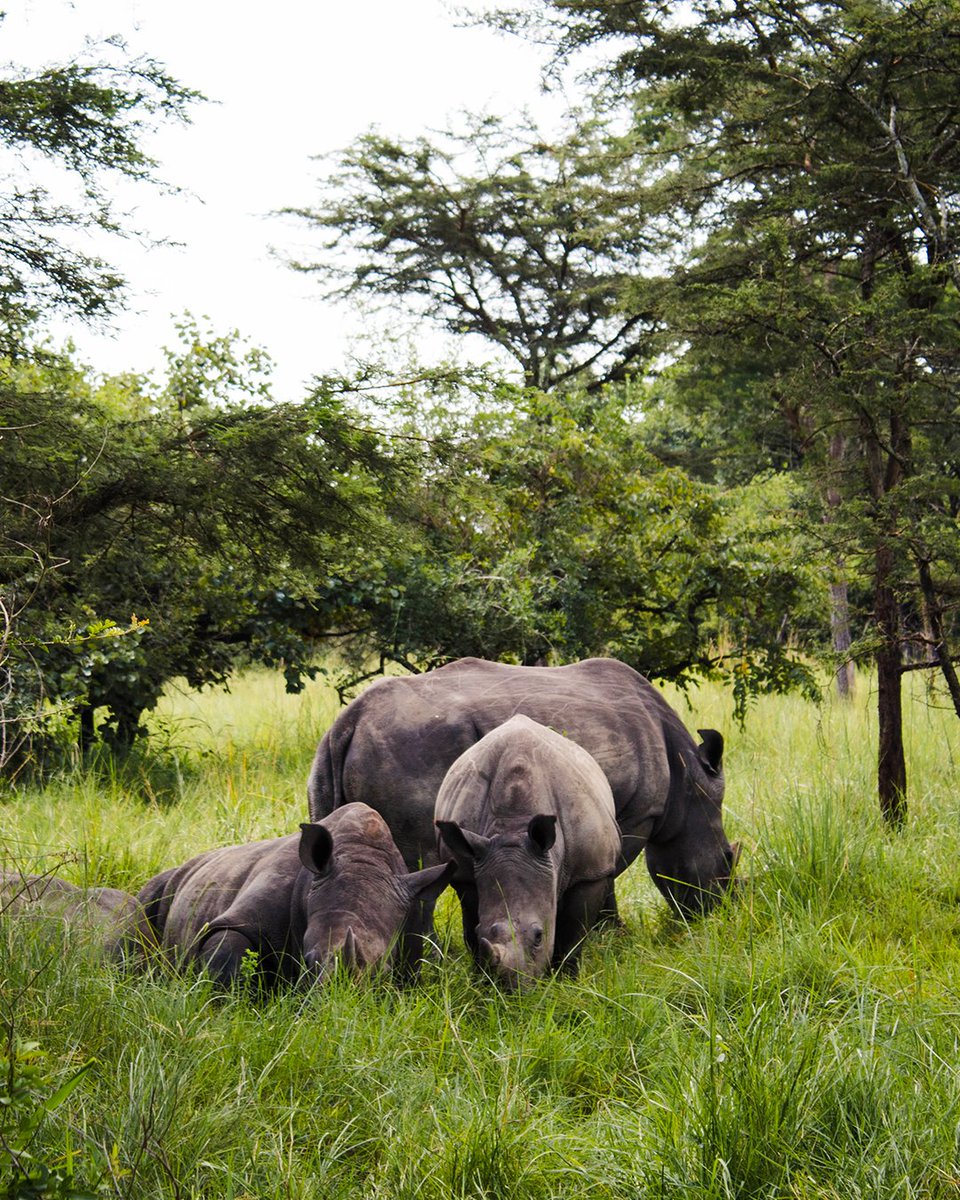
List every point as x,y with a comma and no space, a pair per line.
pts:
491,952
350,954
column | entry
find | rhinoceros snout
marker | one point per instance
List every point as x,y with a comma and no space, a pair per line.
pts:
508,964
318,963
349,955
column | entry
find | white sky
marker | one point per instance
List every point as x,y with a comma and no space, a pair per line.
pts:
293,79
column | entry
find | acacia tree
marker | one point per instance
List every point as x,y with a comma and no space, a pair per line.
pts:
497,231
67,133
550,533
537,528
194,521
813,150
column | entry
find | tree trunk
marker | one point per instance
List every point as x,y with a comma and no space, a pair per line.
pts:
891,761
886,455
87,728
839,607
840,633
127,728
933,615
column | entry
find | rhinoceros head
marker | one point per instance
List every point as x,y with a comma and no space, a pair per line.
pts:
516,893
694,867
362,906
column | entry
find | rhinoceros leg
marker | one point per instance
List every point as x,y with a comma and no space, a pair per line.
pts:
608,913
578,911
221,954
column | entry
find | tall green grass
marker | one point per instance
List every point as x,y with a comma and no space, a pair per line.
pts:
800,1042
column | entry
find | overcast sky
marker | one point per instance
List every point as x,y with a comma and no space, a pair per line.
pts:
291,80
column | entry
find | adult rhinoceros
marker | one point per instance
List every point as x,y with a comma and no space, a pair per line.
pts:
393,745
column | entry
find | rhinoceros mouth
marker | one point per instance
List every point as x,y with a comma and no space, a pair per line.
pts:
507,965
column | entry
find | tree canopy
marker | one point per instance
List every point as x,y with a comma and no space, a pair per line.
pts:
811,152
539,529
730,289
67,133
197,526
497,231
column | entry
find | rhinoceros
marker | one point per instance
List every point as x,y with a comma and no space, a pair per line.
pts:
338,890
393,745
529,820
107,914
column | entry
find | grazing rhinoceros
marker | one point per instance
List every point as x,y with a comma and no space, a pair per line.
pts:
528,818
338,890
392,746
108,914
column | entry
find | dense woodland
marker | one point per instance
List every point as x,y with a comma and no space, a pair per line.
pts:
723,443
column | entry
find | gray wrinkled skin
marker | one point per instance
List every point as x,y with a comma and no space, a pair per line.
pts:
393,745
109,915
528,818
337,891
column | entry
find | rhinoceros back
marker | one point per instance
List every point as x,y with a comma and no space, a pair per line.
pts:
392,746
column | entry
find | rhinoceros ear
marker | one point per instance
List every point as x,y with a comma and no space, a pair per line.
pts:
542,832
464,845
710,751
316,847
430,882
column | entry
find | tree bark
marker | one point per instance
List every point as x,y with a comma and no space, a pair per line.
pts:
933,613
840,633
839,607
891,761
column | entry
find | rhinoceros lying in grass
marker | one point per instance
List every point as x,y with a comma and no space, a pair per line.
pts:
392,747
337,891
108,915
528,818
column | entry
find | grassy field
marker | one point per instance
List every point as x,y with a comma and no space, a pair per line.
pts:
800,1042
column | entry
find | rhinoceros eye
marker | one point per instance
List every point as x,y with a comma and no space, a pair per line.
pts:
538,937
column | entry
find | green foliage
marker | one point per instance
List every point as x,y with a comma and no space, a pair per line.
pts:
193,521
83,124
29,1091
542,530
49,679
208,369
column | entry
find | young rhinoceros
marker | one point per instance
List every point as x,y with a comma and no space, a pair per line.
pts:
338,890
528,818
